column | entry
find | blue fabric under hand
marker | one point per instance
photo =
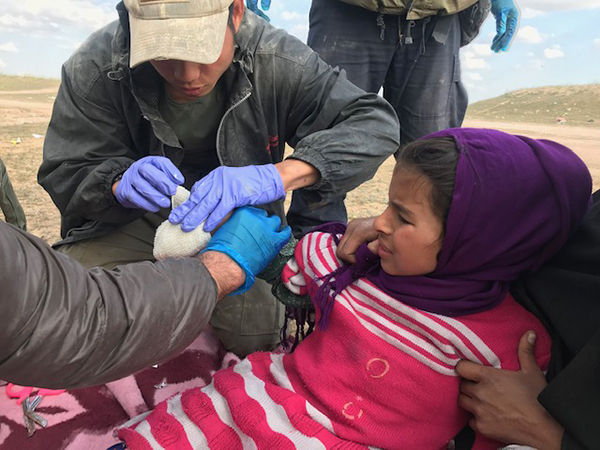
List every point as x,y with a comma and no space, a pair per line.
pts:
507,20
225,189
149,184
252,5
251,239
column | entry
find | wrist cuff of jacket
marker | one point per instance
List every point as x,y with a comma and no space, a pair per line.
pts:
110,180
115,176
237,258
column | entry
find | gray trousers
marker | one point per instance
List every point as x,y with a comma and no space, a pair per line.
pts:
416,62
245,323
10,206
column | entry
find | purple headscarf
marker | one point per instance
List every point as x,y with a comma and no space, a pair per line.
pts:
516,200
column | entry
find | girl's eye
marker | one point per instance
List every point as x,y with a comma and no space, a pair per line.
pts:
403,220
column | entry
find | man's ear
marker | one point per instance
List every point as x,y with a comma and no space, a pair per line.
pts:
238,14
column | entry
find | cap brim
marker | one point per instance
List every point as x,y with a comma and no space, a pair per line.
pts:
197,39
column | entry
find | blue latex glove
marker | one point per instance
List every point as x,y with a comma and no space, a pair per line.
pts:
507,20
225,189
252,5
251,239
149,184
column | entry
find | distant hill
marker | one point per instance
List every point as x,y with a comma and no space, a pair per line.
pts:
19,83
577,105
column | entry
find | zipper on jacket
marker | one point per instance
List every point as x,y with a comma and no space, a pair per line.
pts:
231,108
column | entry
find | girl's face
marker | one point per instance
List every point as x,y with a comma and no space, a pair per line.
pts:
409,232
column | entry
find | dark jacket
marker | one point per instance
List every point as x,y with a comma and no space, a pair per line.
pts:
106,116
63,326
565,295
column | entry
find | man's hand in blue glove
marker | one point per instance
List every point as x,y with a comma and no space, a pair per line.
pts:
251,239
148,184
507,20
252,5
224,189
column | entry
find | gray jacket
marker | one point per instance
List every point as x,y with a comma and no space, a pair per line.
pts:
63,326
106,116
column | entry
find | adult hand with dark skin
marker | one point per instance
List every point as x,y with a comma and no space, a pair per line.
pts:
357,233
504,402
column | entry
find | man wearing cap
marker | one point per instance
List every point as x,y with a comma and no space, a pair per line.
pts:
203,94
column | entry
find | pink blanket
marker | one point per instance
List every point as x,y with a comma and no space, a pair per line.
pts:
86,418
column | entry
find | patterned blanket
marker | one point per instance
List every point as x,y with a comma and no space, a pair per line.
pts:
86,418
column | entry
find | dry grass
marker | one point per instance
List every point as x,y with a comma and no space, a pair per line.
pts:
22,162
575,105
18,83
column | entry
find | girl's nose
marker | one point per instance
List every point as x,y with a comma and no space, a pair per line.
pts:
382,222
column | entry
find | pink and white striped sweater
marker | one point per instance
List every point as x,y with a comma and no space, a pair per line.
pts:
381,376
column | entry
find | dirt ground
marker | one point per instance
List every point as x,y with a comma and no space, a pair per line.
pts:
24,117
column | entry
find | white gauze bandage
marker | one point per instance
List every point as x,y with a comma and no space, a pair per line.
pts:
171,241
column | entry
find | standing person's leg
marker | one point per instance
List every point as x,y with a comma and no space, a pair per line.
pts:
9,204
423,83
245,323
350,37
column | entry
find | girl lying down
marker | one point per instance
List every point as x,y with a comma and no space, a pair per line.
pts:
469,211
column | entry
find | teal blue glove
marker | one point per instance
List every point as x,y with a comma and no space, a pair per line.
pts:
252,5
251,239
507,20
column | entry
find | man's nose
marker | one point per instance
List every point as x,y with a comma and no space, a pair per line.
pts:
187,71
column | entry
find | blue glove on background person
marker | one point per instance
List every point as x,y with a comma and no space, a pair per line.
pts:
149,184
252,5
225,189
251,239
507,20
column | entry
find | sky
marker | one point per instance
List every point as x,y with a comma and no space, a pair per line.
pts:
558,41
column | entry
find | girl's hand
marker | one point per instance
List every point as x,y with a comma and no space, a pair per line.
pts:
358,232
